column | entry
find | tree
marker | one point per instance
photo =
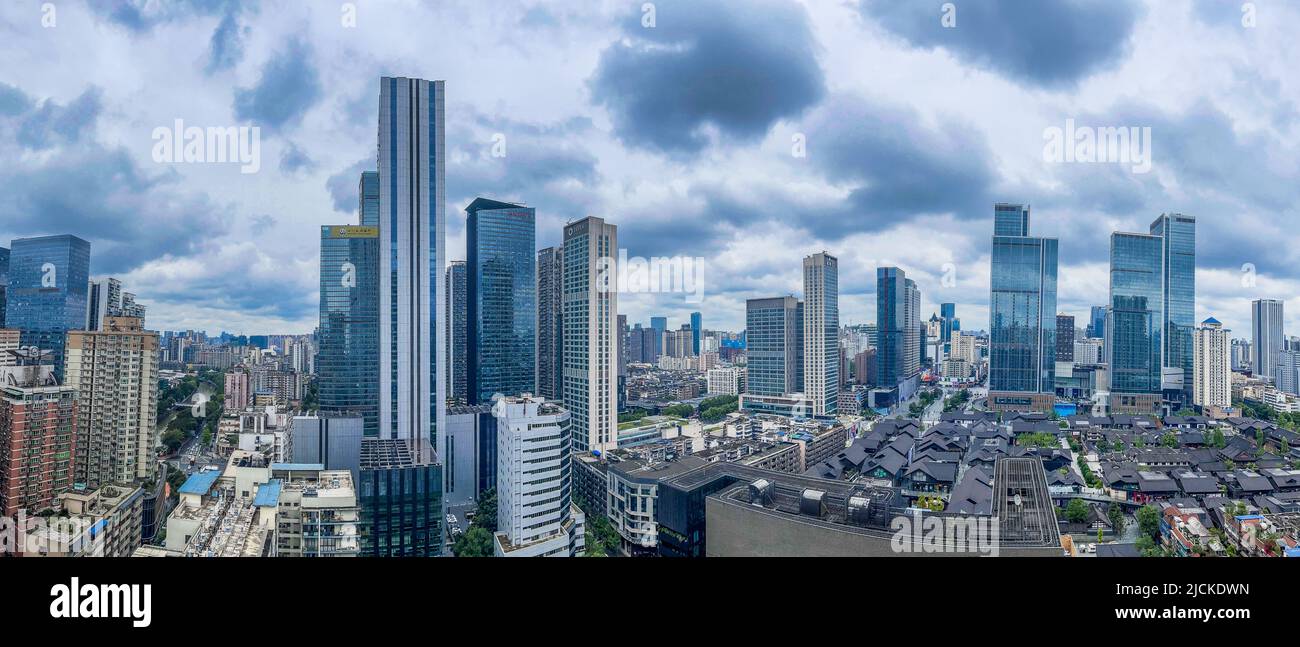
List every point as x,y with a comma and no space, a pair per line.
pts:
1217,440
475,542
1147,546
1169,440
1148,520
486,513
1076,511
1116,516
682,410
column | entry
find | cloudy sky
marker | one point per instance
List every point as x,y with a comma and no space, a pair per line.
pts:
748,133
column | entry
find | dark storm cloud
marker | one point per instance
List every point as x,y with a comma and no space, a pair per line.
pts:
289,86
1052,44
52,124
129,215
895,167
733,67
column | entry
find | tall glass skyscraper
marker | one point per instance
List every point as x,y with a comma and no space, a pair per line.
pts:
368,198
1097,322
1134,327
948,317
898,329
774,346
412,158
347,363
1178,248
550,323
457,290
660,326
1266,339
1022,314
697,331
4,282
501,299
48,295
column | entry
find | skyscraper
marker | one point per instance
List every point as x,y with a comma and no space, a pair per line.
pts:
1097,322
115,373
550,322
898,332
1064,338
1287,371
368,199
4,282
501,303
660,326
1022,314
774,346
411,250
1266,335
347,362
821,330
1212,381
105,300
49,279
1178,250
697,331
948,317
457,332
1133,328
590,333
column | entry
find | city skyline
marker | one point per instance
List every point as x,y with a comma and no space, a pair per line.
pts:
239,259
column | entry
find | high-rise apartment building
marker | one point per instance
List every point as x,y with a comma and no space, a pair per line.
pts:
457,333
535,513
347,361
38,435
1212,374
821,325
105,300
501,299
238,391
1266,336
49,279
1022,314
590,333
550,322
412,159
1287,371
115,373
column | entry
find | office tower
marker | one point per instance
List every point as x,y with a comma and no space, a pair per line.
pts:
333,441
457,294
1064,338
623,352
412,157
821,325
1010,220
1178,251
1097,322
590,334
1212,382
1133,327
470,464
501,303
238,393
1240,354
660,326
636,338
864,367
535,513
1266,335
368,199
399,498
348,356
898,315
697,330
38,434
4,282
1088,352
105,300
1287,371
774,346
1022,315
550,323
115,373
49,278
948,317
